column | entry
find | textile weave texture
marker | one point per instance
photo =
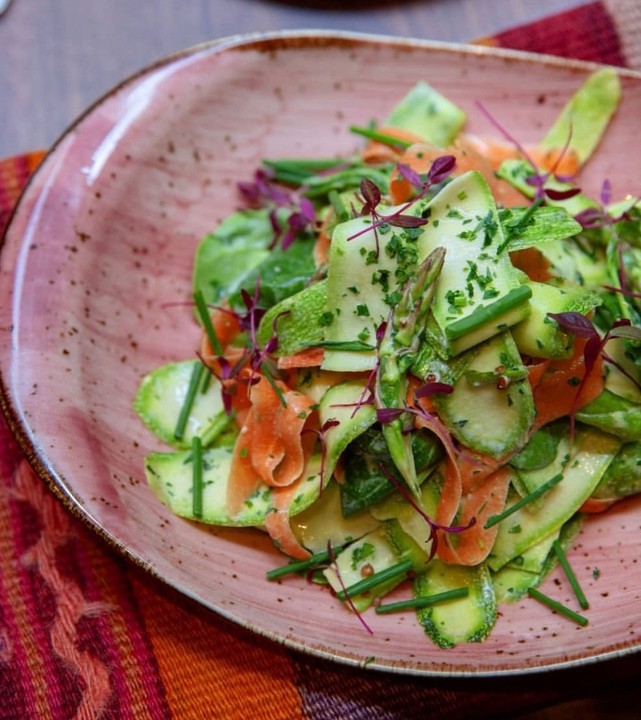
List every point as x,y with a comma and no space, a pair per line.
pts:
85,634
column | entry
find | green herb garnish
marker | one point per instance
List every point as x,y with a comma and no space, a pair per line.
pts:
557,606
495,519
422,602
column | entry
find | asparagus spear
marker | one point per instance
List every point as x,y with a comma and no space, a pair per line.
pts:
397,347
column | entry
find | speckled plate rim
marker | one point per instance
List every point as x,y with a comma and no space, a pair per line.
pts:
47,473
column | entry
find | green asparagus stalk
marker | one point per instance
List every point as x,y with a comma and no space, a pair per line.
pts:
399,343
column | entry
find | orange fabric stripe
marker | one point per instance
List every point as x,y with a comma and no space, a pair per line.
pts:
211,668
133,680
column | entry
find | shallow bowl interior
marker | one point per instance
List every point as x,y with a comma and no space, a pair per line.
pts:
97,261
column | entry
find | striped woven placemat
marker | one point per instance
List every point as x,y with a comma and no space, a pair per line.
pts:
85,634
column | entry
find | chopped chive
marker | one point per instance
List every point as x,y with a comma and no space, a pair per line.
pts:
368,583
270,379
205,318
557,606
197,477
422,602
484,314
494,519
320,558
563,560
338,205
290,177
355,345
379,136
206,383
310,165
185,410
215,428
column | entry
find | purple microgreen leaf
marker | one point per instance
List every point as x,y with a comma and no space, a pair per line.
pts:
591,218
388,415
606,192
575,323
591,353
380,332
441,168
406,221
562,194
433,388
307,209
412,177
371,195
248,300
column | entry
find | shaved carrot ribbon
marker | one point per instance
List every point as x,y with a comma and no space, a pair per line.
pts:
270,446
473,545
564,388
598,505
272,449
420,156
379,152
278,525
310,357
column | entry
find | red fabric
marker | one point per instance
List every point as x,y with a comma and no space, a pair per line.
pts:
585,33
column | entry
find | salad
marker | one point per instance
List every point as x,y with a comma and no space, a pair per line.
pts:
420,367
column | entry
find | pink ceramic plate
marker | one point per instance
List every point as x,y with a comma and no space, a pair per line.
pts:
103,238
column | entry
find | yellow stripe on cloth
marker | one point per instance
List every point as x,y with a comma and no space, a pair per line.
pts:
211,669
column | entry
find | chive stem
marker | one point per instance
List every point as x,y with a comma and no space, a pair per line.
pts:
557,606
352,345
368,583
572,579
270,379
188,402
205,318
379,136
197,477
485,314
494,519
206,383
421,602
215,428
303,565
338,205
308,165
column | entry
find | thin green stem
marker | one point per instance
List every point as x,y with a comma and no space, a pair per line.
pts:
185,410
380,137
218,425
205,318
297,566
422,602
567,569
557,607
369,583
197,477
494,519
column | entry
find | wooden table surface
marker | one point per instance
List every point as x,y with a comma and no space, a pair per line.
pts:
58,56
